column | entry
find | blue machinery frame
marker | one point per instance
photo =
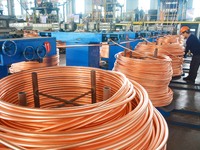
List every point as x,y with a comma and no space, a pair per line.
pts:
24,49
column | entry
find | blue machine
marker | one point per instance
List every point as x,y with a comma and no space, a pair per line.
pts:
78,37
24,49
79,51
121,38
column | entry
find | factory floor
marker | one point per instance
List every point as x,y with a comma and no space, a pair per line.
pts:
182,115
184,120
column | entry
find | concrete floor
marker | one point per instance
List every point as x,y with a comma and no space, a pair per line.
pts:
184,123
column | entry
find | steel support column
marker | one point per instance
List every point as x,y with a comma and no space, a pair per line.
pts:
11,10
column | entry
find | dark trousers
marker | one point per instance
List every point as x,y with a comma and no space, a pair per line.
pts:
136,17
194,66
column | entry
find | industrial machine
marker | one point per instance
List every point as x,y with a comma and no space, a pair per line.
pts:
91,26
6,31
45,13
82,49
107,27
24,49
68,26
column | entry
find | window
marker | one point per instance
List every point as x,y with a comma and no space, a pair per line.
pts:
80,6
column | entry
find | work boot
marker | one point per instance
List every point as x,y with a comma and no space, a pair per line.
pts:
186,78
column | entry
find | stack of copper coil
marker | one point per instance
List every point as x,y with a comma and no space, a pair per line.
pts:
174,50
154,74
125,120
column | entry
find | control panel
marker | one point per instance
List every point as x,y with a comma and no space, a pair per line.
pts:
24,49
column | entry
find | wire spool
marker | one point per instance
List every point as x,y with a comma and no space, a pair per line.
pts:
153,74
126,120
175,51
25,65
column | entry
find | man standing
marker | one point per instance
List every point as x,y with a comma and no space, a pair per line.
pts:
192,44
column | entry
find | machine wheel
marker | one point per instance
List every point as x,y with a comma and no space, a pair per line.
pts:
9,48
41,51
29,53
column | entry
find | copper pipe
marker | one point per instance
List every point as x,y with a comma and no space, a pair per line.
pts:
127,120
47,62
154,75
175,51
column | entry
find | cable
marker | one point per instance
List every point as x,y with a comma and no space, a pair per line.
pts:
126,120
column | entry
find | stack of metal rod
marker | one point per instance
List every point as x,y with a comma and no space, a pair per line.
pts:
77,108
153,71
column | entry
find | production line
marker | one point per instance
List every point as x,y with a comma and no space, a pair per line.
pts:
112,77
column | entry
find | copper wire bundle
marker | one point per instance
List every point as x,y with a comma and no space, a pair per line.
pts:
47,62
126,120
175,51
153,74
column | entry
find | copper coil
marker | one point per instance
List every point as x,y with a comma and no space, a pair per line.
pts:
175,51
47,62
126,120
169,39
153,74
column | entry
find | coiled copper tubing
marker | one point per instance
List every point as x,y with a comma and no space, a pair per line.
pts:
126,120
175,51
153,75
25,65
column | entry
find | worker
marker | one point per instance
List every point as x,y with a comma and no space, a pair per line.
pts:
136,14
141,12
192,44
